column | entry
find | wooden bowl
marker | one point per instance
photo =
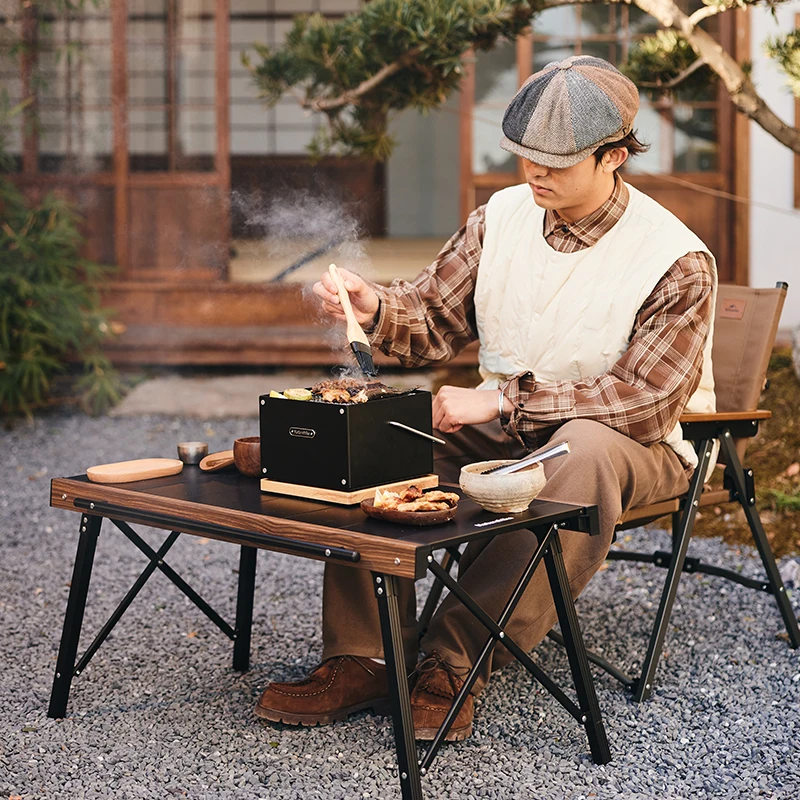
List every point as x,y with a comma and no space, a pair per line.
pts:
408,517
247,455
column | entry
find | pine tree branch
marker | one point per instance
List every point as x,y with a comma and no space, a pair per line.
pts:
710,11
352,96
739,86
736,82
560,3
678,79
374,96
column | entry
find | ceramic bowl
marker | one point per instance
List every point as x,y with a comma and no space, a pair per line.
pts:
508,494
247,455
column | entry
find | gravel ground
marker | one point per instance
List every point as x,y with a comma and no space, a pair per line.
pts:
160,713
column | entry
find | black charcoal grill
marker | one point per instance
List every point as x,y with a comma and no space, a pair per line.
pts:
346,446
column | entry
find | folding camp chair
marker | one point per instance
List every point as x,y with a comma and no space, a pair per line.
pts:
745,324
746,321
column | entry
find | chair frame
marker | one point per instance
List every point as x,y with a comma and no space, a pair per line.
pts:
739,487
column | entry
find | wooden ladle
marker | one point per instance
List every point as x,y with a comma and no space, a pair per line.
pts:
215,461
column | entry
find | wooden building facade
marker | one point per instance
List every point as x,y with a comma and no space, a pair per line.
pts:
143,116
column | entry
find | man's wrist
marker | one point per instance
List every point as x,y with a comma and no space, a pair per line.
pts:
372,323
381,325
503,404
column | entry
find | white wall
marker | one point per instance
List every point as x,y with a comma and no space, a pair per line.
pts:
422,173
774,235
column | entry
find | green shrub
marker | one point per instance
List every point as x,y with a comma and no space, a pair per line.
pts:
781,501
49,306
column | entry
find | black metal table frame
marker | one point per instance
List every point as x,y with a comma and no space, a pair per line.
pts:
411,766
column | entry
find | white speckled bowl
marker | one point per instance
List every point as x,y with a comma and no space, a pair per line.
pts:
509,494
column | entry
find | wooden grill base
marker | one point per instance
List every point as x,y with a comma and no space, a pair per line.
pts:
344,498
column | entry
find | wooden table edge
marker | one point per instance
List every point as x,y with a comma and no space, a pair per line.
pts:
377,554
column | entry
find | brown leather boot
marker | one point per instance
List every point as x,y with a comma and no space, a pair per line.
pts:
436,686
337,688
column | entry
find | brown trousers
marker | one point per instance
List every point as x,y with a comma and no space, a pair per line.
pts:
603,468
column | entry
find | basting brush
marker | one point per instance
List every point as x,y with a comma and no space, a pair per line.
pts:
355,334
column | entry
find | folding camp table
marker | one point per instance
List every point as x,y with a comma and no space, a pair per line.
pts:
230,507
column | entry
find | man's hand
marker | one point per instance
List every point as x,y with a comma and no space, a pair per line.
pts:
363,297
454,407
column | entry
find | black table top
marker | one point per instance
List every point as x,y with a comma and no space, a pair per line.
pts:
232,503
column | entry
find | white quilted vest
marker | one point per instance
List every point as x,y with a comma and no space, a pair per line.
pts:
569,316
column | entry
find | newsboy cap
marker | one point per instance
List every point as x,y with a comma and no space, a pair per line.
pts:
564,112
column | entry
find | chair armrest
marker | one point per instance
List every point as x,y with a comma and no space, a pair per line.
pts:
726,416
741,424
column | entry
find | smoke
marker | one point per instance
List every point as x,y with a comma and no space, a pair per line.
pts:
299,232
298,227
301,215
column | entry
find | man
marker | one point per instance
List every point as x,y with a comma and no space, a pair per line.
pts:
593,308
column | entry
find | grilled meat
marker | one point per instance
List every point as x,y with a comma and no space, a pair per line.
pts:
438,496
413,499
351,390
340,396
422,505
344,384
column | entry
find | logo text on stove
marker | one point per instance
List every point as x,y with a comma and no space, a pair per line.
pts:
303,433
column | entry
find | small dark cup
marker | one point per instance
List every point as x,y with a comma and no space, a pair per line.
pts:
247,455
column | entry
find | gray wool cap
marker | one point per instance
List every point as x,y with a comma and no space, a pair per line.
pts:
564,112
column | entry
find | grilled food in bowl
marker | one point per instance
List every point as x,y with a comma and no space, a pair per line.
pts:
412,506
510,494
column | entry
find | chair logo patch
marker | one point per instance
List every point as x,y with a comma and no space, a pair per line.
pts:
732,309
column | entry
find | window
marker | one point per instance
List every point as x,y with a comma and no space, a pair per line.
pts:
69,71
682,131
496,82
11,87
171,85
285,129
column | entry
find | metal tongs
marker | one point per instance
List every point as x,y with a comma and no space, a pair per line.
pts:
418,433
552,452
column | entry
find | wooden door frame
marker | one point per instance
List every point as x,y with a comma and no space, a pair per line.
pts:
120,176
797,125
737,41
124,180
468,182
119,104
28,61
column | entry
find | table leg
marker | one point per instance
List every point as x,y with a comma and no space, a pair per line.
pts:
399,698
576,652
73,620
244,608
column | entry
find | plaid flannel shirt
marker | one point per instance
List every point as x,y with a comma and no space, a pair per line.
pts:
430,319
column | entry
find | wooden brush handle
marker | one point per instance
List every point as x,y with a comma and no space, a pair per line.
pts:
355,333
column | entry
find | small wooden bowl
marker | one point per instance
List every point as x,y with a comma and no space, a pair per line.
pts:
247,455
408,517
